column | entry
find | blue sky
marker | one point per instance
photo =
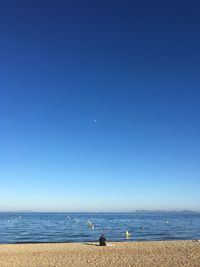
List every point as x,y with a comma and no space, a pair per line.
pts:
99,105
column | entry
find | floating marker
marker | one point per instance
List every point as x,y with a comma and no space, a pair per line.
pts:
128,235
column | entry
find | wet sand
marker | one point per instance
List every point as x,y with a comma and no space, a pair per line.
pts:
158,253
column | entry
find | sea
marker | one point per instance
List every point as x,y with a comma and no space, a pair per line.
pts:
35,227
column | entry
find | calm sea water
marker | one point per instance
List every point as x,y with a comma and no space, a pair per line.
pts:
84,227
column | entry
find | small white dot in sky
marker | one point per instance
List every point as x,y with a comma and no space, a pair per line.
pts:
94,120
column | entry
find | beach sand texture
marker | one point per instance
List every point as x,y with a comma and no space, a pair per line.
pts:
158,253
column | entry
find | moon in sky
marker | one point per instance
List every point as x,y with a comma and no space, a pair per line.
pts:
94,120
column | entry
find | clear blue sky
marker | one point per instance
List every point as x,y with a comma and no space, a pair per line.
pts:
99,105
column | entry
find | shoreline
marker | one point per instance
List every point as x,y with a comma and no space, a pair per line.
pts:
96,241
136,253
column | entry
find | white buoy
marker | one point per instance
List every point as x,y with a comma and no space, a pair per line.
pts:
128,235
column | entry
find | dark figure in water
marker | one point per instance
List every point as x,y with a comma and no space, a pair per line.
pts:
102,241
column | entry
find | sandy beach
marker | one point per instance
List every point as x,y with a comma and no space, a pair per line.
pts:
158,253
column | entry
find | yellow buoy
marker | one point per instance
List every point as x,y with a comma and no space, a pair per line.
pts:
128,234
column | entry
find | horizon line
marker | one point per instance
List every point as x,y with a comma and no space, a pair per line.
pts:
67,211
